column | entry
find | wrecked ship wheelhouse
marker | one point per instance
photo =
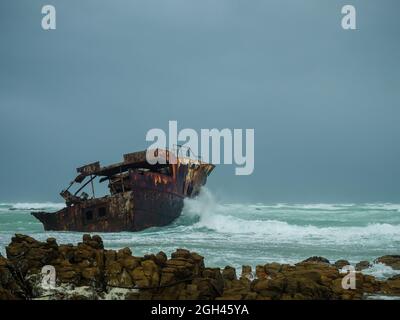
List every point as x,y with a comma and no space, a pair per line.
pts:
141,194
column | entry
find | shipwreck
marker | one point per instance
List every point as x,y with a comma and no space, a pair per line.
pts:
141,194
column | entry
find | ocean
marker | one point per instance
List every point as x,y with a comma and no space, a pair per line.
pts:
245,234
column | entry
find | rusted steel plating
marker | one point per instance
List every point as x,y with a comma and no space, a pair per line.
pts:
142,195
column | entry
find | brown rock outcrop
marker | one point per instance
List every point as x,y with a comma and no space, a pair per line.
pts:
88,271
390,260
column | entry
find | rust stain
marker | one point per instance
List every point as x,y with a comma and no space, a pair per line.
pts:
141,195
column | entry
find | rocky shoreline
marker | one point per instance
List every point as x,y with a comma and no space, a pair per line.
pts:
88,271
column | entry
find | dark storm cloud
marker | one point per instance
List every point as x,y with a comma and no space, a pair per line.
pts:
324,102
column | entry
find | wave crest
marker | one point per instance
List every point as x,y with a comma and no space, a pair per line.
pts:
36,206
224,219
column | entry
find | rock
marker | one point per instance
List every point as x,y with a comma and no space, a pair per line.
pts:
68,276
161,258
147,275
52,242
140,278
20,238
341,263
94,242
82,253
395,277
216,275
390,260
130,263
181,253
272,269
185,264
90,274
247,273
260,272
124,253
191,292
88,271
317,260
114,268
86,238
260,285
125,280
29,256
391,286
149,267
10,287
110,256
229,273
66,251
97,238
362,265
208,289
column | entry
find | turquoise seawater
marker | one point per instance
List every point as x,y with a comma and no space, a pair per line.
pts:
236,234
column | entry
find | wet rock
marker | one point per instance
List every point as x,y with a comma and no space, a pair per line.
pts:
147,275
237,289
110,256
10,288
229,273
362,265
247,273
161,258
151,270
260,272
341,263
88,271
130,263
28,255
183,265
395,277
391,286
271,269
139,278
118,277
94,242
124,253
317,259
390,260
216,275
52,242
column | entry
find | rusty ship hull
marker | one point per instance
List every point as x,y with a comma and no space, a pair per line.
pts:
141,195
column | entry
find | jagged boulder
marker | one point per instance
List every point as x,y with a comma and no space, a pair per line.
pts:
229,273
272,269
317,259
88,271
28,255
247,273
10,288
341,263
390,260
362,265
183,265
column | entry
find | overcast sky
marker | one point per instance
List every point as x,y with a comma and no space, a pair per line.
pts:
324,102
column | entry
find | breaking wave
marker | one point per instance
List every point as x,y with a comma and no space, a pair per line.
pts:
381,271
22,206
246,220
240,233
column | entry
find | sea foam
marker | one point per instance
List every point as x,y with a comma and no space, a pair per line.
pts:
241,219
